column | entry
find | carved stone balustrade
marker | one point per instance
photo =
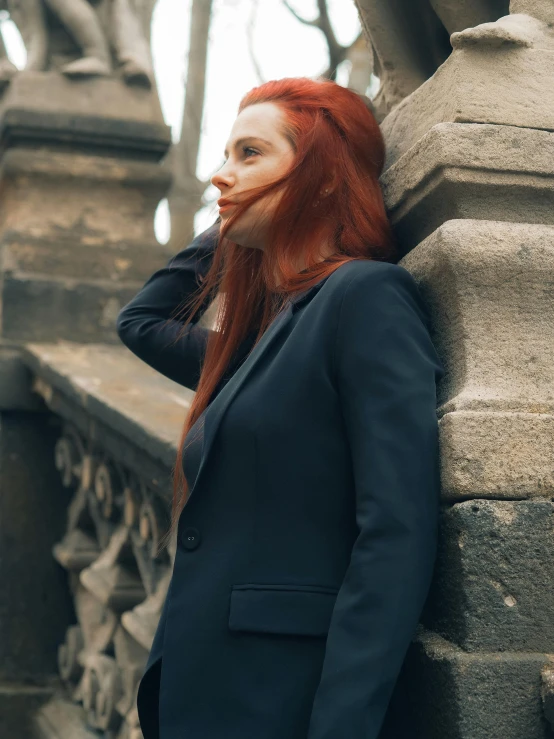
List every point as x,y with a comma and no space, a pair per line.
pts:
117,423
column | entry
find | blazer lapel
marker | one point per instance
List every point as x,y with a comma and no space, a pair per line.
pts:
218,406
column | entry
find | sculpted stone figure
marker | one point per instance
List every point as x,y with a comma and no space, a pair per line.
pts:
123,40
530,24
411,38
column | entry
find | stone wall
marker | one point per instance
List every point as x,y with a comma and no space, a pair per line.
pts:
469,184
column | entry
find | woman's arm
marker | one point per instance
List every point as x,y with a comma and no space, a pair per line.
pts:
146,326
386,372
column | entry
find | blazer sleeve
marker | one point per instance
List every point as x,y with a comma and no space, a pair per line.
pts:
146,324
386,372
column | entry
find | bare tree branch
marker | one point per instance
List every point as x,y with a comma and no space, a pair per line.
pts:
298,17
324,23
250,37
337,52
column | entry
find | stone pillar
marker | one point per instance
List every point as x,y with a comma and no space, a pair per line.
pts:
80,178
470,187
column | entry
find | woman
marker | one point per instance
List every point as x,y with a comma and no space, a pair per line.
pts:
306,546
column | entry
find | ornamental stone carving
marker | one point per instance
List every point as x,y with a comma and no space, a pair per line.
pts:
82,40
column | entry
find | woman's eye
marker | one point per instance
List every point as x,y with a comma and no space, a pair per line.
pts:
245,149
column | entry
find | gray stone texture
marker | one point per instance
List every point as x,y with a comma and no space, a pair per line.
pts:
469,186
489,287
470,171
410,39
499,71
446,693
495,564
496,455
81,179
16,383
477,86
105,99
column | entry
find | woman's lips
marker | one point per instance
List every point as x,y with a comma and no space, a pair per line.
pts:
226,206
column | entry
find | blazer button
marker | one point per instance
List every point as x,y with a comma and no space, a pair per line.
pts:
190,538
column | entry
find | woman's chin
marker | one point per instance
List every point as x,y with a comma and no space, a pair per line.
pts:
242,236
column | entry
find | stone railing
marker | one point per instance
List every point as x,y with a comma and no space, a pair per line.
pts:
118,423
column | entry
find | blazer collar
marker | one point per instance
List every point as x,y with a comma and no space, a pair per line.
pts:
303,298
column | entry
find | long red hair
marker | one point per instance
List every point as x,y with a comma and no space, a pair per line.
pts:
332,130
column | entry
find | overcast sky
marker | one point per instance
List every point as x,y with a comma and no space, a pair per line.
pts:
283,47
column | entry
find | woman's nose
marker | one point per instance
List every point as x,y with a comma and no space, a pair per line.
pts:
222,179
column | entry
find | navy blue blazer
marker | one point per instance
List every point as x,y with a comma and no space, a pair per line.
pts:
307,545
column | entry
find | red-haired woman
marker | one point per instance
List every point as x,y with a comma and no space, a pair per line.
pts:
309,459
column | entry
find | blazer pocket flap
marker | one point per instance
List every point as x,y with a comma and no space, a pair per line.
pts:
281,609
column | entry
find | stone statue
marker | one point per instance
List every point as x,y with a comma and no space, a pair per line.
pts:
122,41
411,38
530,24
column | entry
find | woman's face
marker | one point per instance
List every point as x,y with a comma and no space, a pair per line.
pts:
258,153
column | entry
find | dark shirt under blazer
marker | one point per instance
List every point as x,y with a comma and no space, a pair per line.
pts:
306,548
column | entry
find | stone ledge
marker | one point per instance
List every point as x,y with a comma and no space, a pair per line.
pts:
92,115
470,171
36,307
19,127
446,693
496,455
85,168
82,257
509,88
112,396
487,287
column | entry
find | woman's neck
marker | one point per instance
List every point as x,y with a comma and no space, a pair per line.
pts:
327,251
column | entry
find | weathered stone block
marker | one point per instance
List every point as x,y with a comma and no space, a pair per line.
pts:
446,693
470,170
492,588
76,257
488,288
47,106
52,308
81,179
92,200
478,85
496,455
488,285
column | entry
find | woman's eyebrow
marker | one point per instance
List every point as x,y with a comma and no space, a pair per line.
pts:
243,140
